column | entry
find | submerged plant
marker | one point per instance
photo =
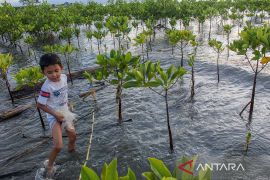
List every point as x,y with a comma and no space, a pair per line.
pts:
30,76
217,46
248,138
5,63
152,75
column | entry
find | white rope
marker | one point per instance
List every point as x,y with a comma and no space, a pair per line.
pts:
90,140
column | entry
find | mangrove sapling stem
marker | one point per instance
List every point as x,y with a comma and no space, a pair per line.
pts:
39,113
228,43
159,93
262,68
98,48
119,101
147,50
218,66
29,54
209,35
150,43
91,46
192,82
35,55
69,73
78,42
113,41
168,120
250,63
253,93
8,87
142,53
240,114
182,55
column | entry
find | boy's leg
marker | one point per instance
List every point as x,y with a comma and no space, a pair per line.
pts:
58,143
71,139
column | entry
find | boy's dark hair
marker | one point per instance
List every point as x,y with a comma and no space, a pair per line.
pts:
49,59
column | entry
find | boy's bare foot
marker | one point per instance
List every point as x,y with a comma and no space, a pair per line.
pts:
49,170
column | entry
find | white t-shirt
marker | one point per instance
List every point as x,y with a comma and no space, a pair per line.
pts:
54,94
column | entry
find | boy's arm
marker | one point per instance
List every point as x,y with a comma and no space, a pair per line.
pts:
59,117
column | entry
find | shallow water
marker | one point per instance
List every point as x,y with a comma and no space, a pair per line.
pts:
208,126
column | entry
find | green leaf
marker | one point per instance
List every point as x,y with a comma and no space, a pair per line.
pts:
159,169
170,70
149,176
111,172
104,171
100,59
139,76
128,57
112,53
88,76
88,174
169,178
130,84
129,176
152,84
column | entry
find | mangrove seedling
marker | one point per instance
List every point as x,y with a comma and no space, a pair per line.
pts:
113,69
99,34
217,46
31,40
228,29
184,37
89,35
50,48
67,50
152,75
257,41
140,40
67,33
5,63
30,76
191,62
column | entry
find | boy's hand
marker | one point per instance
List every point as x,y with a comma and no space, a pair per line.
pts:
59,117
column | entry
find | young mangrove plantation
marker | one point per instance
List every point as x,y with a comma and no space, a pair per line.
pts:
181,89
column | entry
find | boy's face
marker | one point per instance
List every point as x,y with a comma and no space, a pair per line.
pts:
53,72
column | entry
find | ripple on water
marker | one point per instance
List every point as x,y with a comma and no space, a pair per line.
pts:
207,125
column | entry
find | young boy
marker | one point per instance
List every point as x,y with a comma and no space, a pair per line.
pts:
53,99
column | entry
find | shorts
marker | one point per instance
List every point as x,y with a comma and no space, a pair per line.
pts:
65,124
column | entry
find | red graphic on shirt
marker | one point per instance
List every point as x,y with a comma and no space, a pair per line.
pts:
44,94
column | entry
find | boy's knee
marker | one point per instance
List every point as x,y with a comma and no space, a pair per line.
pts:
58,148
